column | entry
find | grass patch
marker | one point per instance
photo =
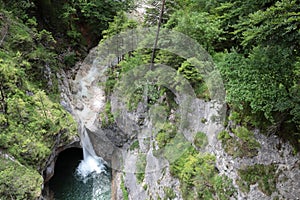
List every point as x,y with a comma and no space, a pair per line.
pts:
134,145
200,140
241,144
106,117
264,175
141,166
199,179
124,189
169,193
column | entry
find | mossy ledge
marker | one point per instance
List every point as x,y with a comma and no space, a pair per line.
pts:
34,127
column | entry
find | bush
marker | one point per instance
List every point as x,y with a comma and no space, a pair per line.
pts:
199,178
264,175
134,145
241,144
165,135
200,140
18,182
169,193
106,117
140,167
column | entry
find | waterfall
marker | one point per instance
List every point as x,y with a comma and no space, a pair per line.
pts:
86,103
91,165
87,99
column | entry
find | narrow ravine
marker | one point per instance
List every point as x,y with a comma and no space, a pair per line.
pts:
88,177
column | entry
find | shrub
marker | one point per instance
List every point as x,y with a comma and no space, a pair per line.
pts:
141,165
241,144
200,140
199,178
18,182
124,189
165,135
264,175
134,145
169,193
106,117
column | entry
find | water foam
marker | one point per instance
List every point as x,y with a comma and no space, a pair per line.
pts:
90,167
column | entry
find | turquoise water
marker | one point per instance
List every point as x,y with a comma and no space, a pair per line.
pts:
66,184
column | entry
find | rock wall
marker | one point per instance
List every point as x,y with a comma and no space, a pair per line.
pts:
122,143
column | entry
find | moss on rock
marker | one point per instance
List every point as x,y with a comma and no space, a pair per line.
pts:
241,143
264,175
18,181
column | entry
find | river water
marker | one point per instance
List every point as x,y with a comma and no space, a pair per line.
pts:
68,184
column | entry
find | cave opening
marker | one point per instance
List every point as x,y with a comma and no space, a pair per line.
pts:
67,184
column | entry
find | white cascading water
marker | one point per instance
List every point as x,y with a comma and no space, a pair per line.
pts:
91,164
88,102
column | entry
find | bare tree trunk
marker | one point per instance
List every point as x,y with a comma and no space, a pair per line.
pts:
157,33
154,48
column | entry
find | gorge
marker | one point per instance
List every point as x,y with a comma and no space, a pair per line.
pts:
96,102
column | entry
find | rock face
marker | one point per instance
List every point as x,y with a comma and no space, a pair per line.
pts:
49,170
123,143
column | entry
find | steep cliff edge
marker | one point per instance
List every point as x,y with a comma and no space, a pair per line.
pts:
215,162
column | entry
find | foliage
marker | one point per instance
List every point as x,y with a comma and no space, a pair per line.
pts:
261,89
134,145
201,26
140,167
200,140
265,81
17,181
32,123
124,189
259,46
119,24
277,24
241,144
166,134
169,193
20,8
199,178
106,117
264,175
192,74
95,15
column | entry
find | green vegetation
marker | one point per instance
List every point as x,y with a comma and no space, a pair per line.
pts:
17,181
241,144
124,190
145,187
255,45
134,145
169,193
32,122
106,117
257,55
140,167
264,175
200,140
199,178
37,40
30,118
75,24
165,135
